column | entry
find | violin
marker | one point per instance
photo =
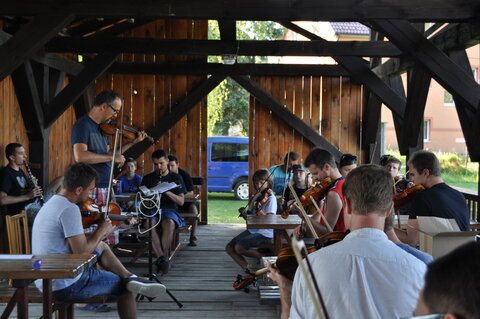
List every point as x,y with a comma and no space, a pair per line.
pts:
318,191
128,132
286,262
93,213
262,198
407,196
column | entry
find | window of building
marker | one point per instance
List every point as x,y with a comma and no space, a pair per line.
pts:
448,98
426,130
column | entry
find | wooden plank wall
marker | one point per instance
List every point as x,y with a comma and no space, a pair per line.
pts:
331,106
148,98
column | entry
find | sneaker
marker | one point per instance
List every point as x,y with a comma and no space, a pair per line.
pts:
143,286
163,264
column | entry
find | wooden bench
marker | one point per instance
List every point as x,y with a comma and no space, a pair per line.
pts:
65,309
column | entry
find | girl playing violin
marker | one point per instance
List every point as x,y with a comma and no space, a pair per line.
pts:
242,245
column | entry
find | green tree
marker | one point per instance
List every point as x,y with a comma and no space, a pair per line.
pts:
228,103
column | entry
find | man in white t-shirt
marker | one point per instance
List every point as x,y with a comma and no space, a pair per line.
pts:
365,275
58,230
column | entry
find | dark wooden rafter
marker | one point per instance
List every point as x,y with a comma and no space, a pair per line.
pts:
282,112
360,72
77,86
51,60
83,104
452,37
469,121
29,100
29,39
236,69
120,27
88,26
417,93
178,111
307,10
220,47
228,30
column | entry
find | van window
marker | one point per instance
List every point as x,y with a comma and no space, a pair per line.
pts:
226,152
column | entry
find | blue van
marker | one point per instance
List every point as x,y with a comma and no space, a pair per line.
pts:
228,165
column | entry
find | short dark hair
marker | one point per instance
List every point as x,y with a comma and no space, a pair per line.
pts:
348,159
159,154
319,158
394,160
106,96
291,156
425,160
79,174
452,283
172,158
369,189
264,174
131,160
11,149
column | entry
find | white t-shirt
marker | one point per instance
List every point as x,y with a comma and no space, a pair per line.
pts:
364,276
270,207
56,221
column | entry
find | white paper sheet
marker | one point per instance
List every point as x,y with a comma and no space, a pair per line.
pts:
18,257
435,225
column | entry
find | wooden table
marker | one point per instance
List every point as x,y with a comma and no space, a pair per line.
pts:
275,222
53,267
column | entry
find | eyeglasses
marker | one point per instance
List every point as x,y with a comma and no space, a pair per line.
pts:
114,109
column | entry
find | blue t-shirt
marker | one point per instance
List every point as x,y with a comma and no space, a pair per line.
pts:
278,175
130,185
86,131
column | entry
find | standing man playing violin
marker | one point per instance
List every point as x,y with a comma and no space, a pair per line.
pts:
321,165
58,230
365,275
437,200
91,146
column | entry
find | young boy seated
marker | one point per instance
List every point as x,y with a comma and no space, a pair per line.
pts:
242,245
301,183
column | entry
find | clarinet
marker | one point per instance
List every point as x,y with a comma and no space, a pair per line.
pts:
33,180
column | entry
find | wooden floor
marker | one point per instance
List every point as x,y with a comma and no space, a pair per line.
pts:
201,278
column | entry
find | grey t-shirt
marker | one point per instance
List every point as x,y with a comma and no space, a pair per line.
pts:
56,221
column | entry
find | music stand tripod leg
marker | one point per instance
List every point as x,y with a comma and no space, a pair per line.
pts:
153,276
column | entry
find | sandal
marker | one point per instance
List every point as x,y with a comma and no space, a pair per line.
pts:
95,307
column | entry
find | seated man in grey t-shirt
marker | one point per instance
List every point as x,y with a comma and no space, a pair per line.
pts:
58,230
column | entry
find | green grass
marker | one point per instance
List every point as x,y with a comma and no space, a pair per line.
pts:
223,208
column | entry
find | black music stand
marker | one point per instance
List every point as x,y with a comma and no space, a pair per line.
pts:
151,275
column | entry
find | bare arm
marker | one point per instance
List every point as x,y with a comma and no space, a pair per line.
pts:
6,199
82,154
178,199
409,236
332,213
82,244
285,287
140,137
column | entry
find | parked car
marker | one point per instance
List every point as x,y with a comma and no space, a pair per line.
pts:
228,165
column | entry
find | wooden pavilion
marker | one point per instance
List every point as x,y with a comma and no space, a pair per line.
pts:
155,54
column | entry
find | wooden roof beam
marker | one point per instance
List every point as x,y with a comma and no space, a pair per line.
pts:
306,10
220,47
236,69
29,39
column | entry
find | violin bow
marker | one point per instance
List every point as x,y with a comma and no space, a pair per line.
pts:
109,191
304,213
286,179
321,214
298,247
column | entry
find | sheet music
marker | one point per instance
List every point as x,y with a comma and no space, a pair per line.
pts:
163,187
434,225
17,257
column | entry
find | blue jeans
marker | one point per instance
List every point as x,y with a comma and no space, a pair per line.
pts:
93,282
248,240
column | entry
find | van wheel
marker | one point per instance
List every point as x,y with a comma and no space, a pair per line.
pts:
241,190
